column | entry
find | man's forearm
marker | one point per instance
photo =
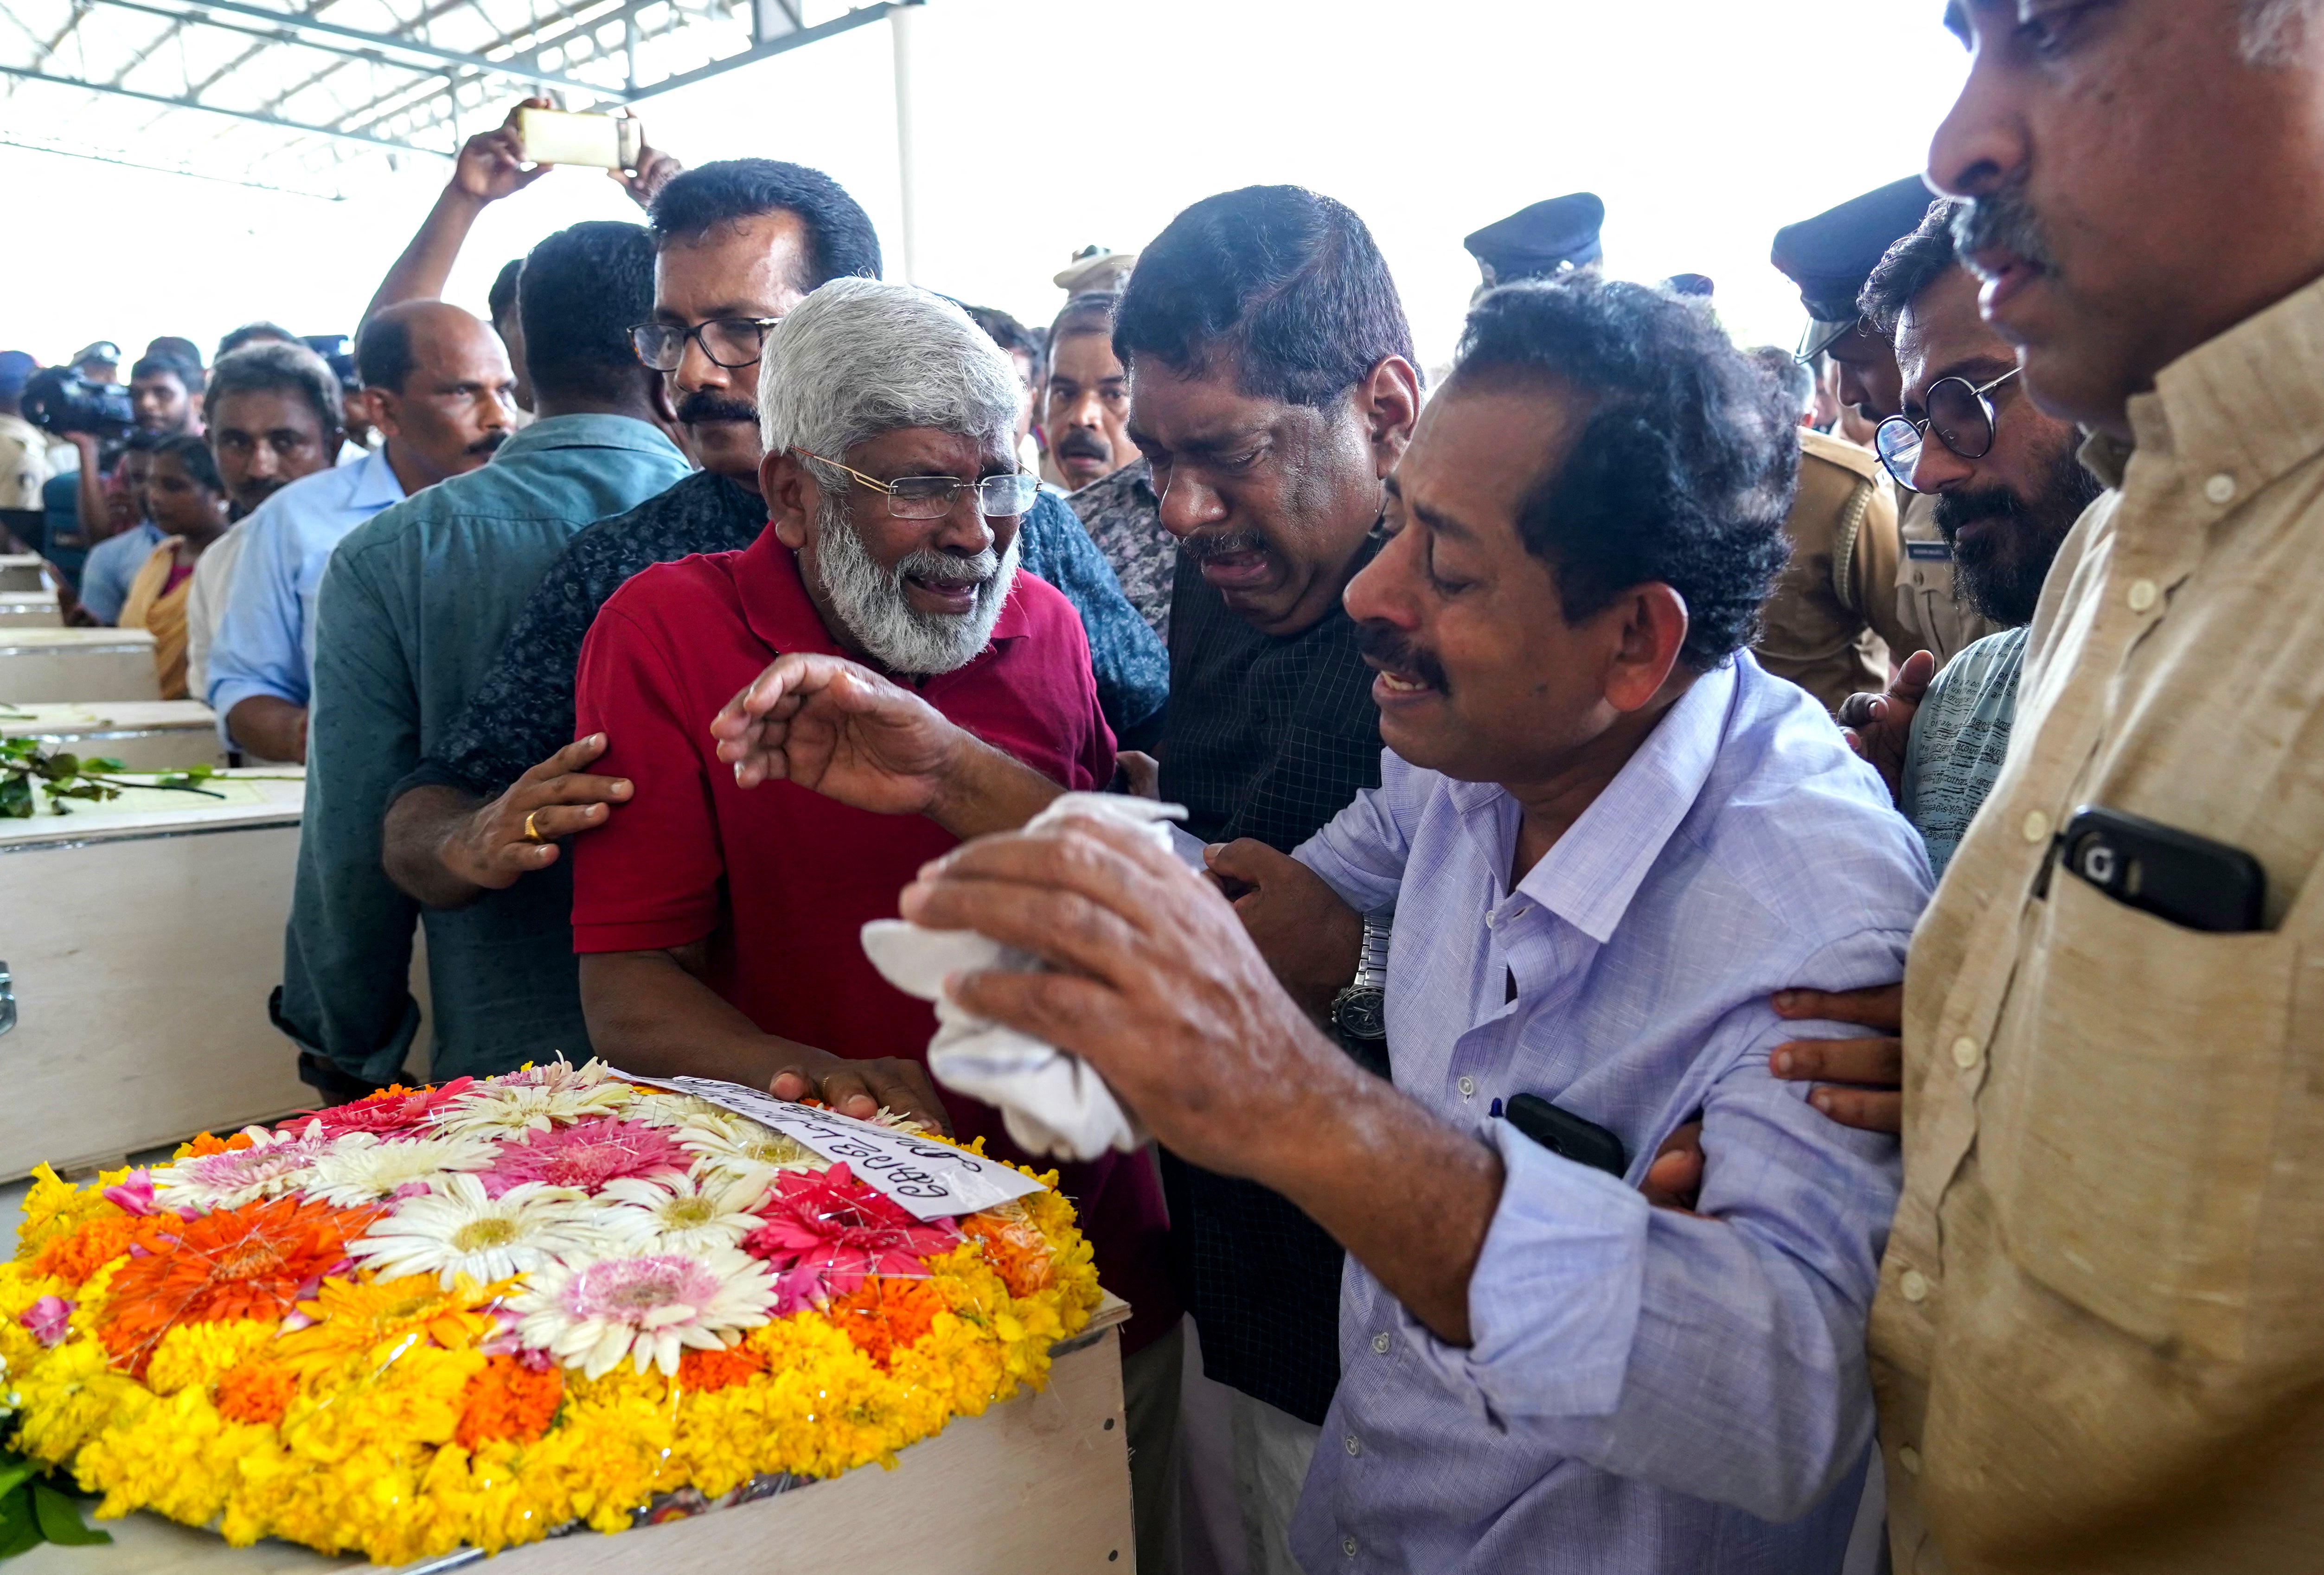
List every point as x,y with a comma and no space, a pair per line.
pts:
990,791
648,1014
270,727
418,826
418,274
1409,1198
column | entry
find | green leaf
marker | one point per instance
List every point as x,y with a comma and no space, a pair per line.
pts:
16,1471
18,1530
103,763
60,1520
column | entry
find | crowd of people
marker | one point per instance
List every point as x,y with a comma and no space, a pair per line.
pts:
1734,965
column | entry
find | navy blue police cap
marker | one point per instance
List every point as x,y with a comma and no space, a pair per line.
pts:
1541,241
1830,255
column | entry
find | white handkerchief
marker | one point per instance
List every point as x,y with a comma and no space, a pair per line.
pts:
1052,1100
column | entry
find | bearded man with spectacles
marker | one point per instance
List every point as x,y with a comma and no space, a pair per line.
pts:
2008,484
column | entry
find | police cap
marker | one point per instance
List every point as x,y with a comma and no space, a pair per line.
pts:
1830,255
1541,241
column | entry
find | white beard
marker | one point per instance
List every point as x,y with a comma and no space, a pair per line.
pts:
870,601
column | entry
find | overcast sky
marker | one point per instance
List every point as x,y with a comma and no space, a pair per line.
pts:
1048,124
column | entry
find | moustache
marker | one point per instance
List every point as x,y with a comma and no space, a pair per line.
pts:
2004,221
489,443
1222,544
1081,443
944,571
702,406
1396,650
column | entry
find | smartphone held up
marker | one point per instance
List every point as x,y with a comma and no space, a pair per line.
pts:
562,136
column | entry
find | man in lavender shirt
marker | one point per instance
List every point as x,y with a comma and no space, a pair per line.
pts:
1610,838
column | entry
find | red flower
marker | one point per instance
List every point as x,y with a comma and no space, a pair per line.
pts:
586,1155
826,1232
395,1109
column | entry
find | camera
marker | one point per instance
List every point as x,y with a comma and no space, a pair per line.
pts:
59,399
337,355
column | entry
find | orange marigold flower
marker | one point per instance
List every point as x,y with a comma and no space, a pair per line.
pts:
258,1390
252,1262
205,1143
509,1400
1017,1252
885,1315
80,1253
705,1372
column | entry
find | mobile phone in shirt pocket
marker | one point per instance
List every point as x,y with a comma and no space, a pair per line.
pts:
2127,1137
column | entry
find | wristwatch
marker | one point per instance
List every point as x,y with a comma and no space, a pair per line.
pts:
1360,1011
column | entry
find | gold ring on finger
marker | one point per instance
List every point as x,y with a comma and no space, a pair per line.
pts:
531,831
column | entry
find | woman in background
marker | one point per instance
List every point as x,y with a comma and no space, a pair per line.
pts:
186,498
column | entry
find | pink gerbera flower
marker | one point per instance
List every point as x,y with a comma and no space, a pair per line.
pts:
825,1232
585,1155
391,1109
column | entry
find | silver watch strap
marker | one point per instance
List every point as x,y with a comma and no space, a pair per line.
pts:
1371,962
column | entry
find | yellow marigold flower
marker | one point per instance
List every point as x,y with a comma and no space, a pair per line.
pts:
197,1355
54,1207
355,1318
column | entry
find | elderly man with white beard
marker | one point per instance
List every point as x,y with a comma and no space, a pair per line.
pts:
718,927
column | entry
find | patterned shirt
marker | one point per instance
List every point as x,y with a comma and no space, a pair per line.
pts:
523,712
1959,735
1266,738
1124,517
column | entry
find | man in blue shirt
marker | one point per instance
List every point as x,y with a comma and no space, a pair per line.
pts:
1611,837
411,611
440,388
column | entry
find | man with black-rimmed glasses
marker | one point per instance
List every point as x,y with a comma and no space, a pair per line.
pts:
2008,485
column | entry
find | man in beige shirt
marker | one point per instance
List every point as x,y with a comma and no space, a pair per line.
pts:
2099,1338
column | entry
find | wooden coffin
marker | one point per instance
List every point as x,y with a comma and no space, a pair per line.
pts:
28,610
76,664
141,938
1039,1486
144,735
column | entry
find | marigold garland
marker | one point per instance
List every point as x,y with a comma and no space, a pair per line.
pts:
234,1367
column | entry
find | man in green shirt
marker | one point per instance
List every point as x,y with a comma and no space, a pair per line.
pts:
412,613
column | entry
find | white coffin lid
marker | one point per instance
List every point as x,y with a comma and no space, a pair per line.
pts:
49,718
258,798
73,639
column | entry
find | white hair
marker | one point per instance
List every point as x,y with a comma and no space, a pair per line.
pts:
860,358
2273,29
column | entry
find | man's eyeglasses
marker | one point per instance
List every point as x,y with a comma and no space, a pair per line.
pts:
729,341
1961,416
932,497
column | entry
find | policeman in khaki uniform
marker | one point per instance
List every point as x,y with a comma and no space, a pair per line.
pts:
1830,257
1832,624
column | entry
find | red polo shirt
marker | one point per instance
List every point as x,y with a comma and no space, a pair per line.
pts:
780,880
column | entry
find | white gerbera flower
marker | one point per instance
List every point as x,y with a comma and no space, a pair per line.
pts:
679,1213
655,1109
644,1305
274,1163
456,1229
536,1100
728,1147
360,1167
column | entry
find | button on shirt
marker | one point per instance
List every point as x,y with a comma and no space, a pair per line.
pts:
264,642
1648,1390
413,609
2113,1200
